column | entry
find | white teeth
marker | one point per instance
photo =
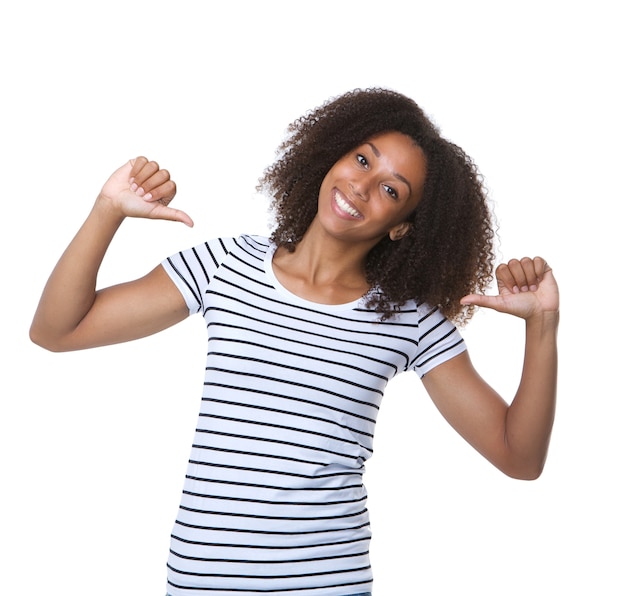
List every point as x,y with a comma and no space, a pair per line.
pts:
345,207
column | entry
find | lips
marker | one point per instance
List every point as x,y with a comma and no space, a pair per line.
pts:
345,206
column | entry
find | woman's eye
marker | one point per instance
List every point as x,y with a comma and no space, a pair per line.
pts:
361,159
390,191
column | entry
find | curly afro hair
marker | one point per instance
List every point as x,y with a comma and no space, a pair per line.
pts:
449,251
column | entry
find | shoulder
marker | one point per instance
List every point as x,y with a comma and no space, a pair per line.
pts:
193,269
421,315
216,249
254,243
437,338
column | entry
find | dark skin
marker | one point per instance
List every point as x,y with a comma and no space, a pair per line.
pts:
364,197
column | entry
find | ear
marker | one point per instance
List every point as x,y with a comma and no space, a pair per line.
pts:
400,231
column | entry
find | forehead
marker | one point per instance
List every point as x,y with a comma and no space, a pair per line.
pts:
401,154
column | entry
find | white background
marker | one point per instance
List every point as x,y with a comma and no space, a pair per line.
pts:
94,445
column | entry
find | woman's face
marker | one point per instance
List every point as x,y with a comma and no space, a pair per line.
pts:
370,192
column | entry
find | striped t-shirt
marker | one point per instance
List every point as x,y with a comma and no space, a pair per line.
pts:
273,501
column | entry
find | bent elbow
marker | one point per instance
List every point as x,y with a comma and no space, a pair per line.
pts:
528,476
44,341
526,472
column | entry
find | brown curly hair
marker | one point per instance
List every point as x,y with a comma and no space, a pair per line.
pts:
449,251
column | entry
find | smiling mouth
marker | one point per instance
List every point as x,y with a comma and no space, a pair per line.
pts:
345,207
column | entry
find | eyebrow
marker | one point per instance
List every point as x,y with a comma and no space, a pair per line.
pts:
396,175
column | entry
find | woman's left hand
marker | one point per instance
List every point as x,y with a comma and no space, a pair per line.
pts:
526,287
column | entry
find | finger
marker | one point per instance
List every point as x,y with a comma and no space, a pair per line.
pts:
153,185
472,299
163,193
482,300
137,164
531,280
517,273
149,169
520,275
541,267
173,215
505,277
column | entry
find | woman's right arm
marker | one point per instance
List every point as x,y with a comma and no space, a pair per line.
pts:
72,314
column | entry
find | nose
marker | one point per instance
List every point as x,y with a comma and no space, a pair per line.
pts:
359,188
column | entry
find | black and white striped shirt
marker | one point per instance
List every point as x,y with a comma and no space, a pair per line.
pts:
273,501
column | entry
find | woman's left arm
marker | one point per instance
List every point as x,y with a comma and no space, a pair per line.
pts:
513,437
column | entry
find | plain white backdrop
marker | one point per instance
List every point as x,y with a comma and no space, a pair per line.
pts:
94,445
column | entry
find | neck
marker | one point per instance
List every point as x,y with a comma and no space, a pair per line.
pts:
323,269
330,260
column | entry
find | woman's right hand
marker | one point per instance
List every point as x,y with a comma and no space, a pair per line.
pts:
71,314
140,188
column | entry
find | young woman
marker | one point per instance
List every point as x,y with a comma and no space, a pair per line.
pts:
383,239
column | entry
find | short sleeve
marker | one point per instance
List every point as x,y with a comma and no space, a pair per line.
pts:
439,340
191,270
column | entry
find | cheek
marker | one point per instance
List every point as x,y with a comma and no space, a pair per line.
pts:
397,214
330,176
324,188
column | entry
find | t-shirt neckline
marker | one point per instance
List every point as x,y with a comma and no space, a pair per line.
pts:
269,271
